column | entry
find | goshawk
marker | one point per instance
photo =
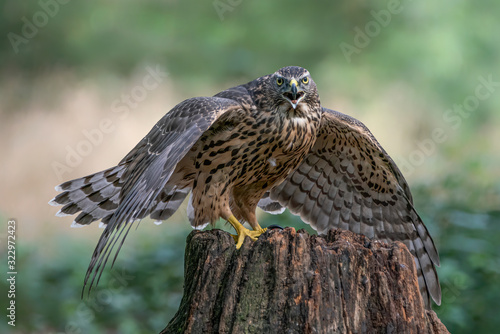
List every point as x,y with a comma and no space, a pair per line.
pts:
267,143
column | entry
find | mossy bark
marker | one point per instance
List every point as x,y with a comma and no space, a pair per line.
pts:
293,282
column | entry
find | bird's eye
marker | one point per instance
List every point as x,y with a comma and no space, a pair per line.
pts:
305,80
279,81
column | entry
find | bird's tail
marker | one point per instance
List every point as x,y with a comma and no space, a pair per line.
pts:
95,196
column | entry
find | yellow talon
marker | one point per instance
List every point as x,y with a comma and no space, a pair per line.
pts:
243,232
235,237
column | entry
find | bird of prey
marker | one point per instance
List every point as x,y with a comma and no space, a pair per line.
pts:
267,143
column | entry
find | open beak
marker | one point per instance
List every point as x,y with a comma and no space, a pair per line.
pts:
295,94
293,83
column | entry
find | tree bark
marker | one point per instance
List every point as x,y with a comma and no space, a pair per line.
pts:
293,282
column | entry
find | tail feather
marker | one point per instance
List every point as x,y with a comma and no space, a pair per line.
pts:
96,196
168,203
191,215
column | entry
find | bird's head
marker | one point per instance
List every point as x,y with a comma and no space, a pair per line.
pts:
294,88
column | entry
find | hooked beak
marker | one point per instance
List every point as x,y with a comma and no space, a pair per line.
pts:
293,83
294,95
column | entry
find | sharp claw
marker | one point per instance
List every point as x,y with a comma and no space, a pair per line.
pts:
275,227
254,235
240,243
243,232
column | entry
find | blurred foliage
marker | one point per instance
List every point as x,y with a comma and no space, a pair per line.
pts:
468,242
437,50
138,295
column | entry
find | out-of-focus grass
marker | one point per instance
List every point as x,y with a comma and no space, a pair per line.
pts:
467,239
140,294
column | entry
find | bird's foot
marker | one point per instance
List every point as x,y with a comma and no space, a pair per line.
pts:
244,232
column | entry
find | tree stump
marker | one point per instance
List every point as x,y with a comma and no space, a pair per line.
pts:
293,282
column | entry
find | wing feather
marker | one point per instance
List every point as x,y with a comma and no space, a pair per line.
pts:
349,181
149,167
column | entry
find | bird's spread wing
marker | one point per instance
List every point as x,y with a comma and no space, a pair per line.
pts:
349,181
148,167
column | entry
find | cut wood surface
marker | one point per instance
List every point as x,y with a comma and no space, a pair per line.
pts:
292,282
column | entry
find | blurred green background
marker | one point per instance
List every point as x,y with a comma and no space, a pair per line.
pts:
423,76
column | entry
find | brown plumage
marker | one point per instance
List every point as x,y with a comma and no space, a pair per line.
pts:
267,143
